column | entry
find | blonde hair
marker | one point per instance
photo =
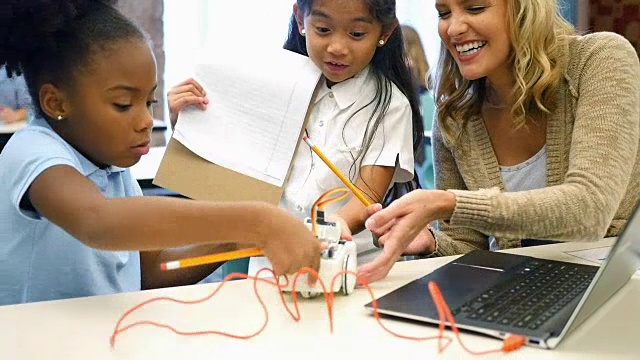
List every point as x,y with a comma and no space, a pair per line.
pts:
417,59
537,32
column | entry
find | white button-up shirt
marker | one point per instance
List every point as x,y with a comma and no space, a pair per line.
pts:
339,123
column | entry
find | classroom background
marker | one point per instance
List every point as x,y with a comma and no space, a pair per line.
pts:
180,29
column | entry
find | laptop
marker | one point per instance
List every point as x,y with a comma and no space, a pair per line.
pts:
498,294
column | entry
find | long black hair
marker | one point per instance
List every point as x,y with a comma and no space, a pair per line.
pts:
389,66
49,41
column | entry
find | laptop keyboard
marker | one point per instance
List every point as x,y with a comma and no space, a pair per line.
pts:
536,293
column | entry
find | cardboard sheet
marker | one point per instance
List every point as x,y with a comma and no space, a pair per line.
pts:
241,148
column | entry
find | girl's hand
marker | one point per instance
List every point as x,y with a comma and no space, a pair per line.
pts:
188,92
288,244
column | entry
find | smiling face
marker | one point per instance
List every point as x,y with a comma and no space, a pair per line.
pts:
477,36
341,36
108,117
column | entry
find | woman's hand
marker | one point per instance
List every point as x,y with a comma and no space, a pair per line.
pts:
402,226
188,92
424,243
391,251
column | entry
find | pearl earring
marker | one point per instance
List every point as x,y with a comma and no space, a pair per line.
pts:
303,32
380,42
60,117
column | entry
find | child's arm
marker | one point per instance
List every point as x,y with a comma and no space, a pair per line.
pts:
373,183
188,92
71,201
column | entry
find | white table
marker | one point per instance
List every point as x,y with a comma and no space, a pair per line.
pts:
81,328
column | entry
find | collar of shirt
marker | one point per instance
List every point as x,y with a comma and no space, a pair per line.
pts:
345,93
87,166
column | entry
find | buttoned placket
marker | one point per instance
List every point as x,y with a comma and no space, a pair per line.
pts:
318,133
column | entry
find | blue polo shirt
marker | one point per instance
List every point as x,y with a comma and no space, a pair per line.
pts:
38,260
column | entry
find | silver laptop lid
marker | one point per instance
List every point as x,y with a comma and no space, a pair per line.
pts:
623,261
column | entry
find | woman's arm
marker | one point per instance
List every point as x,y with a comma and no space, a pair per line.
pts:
450,240
402,222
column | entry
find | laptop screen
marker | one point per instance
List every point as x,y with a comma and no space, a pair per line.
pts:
623,261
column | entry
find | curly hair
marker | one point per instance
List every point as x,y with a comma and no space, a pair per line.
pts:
49,41
538,33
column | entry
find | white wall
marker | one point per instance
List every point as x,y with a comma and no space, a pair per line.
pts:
216,27
183,33
422,15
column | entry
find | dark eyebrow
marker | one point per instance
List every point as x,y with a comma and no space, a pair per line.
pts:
130,88
319,13
363,19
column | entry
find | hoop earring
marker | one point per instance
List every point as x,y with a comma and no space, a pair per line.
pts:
303,32
59,118
381,42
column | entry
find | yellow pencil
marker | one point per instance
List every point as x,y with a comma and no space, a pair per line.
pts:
335,170
239,254
209,259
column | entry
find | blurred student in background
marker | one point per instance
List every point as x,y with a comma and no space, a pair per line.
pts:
420,70
14,98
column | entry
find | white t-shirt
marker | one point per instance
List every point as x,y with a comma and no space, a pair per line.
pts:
337,125
528,175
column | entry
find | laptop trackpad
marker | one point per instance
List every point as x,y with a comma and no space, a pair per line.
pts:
458,282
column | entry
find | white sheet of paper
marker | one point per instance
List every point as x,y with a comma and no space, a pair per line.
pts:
257,105
597,255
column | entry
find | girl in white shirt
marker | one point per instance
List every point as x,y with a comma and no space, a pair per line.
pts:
366,117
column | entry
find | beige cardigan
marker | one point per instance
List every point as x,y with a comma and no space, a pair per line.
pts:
593,161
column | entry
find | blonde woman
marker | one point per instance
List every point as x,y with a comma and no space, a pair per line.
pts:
537,136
